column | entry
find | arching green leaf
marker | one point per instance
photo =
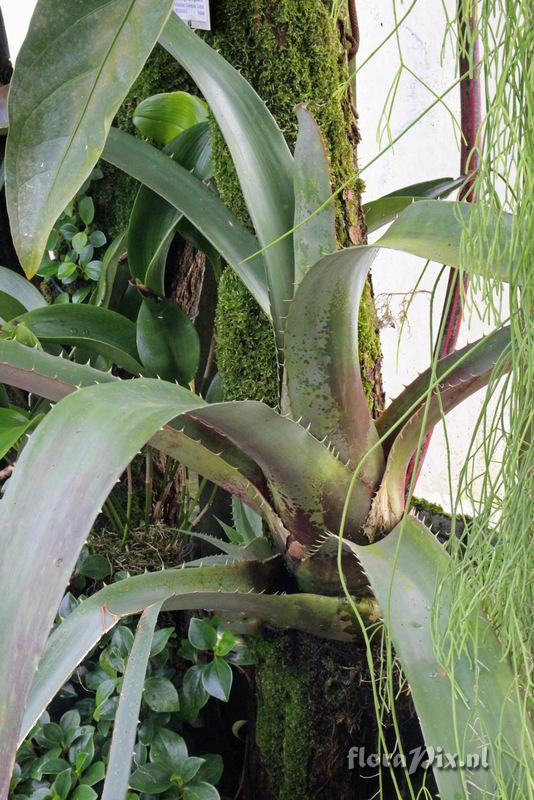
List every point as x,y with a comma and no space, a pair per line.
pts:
234,587
74,99
200,205
317,237
163,117
477,700
13,424
20,289
259,152
383,210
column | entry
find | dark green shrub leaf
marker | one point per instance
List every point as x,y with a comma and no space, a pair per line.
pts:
159,641
217,678
201,634
103,693
151,779
98,239
65,270
96,567
62,784
189,768
92,270
161,695
123,639
212,769
86,210
83,792
201,791
95,773
79,241
225,642
168,749
13,425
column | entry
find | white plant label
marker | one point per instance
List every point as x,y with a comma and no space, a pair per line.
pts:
195,12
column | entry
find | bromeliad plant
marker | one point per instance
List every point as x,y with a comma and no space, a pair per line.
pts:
326,478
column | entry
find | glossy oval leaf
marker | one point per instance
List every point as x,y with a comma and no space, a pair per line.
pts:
162,117
477,699
153,220
96,329
60,109
259,152
200,205
167,341
317,236
383,210
20,289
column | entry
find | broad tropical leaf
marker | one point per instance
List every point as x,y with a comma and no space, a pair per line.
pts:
163,117
127,716
97,330
234,587
383,210
167,341
433,229
307,482
153,220
15,287
45,538
322,362
477,700
259,152
74,99
317,236
200,205
459,376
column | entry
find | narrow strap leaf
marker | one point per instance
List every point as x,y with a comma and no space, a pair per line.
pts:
127,716
385,209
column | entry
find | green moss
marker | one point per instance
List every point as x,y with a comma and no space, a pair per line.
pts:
291,53
308,703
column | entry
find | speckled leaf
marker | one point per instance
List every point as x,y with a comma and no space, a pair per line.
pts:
200,205
60,109
308,483
260,154
97,330
153,220
383,210
317,237
195,444
468,371
477,702
322,363
127,716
